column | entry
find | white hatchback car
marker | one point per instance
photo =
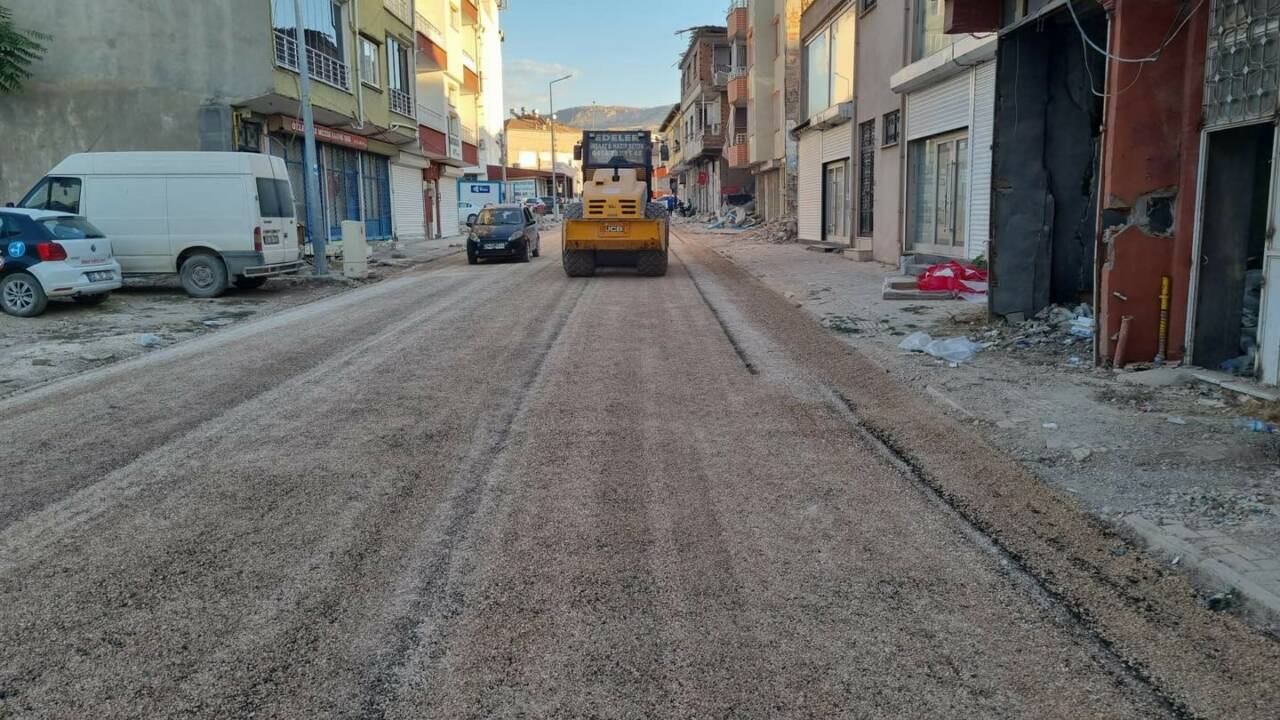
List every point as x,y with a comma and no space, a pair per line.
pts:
46,254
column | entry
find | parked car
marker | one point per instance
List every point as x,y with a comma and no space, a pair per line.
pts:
468,211
549,203
50,254
536,205
504,231
213,218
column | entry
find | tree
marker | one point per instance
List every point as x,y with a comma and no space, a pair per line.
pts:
18,49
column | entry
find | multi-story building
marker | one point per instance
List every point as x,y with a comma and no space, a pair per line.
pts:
878,148
770,91
949,91
669,134
705,71
111,80
824,200
459,99
529,147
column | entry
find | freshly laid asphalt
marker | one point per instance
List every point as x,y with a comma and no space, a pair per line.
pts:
498,492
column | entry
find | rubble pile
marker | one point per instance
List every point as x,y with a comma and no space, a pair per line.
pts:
1055,330
1199,507
777,232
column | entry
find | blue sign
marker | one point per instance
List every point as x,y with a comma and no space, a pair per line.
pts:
480,189
17,248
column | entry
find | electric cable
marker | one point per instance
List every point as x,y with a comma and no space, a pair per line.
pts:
1155,55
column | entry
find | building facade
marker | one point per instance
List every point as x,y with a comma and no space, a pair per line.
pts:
825,177
529,147
770,91
372,95
705,71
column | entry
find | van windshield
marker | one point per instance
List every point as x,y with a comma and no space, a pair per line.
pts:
275,198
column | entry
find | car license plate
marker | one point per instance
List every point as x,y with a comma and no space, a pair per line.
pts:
493,246
615,228
271,237
100,275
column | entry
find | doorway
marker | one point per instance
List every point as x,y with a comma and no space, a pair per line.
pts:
835,202
939,198
1232,258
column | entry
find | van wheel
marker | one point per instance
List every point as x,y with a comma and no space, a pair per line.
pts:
95,299
203,276
250,283
21,295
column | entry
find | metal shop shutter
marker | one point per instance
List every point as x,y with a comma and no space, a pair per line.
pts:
837,143
407,209
939,108
809,187
449,206
981,137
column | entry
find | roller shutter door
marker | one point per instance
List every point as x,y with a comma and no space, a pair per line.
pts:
981,138
837,143
809,187
407,208
940,108
449,206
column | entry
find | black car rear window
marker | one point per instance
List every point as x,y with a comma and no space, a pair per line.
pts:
275,198
71,228
505,216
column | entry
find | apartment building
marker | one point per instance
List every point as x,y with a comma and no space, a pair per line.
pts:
459,100
878,149
770,91
669,134
705,71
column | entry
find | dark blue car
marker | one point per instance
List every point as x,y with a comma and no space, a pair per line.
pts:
507,232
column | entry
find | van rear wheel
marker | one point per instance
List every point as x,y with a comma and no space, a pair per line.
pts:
203,276
250,283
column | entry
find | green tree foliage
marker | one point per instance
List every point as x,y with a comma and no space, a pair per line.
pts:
18,49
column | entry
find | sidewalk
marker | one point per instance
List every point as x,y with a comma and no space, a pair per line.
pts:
406,253
1154,455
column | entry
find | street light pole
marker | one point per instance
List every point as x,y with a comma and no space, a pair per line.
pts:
551,101
310,167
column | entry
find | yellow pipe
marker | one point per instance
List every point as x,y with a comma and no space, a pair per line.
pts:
1164,319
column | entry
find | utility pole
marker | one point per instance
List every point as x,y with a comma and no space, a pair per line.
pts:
551,101
310,167
502,145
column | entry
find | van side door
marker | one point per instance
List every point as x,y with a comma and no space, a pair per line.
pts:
130,211
211,212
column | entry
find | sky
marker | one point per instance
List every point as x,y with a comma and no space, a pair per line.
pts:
621,52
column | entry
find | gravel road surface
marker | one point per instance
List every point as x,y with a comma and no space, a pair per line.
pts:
496,492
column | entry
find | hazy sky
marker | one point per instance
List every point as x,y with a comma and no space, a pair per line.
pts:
621,52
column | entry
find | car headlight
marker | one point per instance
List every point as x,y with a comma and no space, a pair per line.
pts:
516,236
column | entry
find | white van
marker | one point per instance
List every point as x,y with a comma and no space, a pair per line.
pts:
212,217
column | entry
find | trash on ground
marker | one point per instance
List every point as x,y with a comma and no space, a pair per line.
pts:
955,350
149,340
953,277
1176,420
915,342
1255,425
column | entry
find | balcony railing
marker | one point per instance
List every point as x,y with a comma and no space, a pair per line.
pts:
323,68
401,102
468,60
430,29
401,9
468,135
432,118
740,138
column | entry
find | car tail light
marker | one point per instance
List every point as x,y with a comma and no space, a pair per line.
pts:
50,251
257,239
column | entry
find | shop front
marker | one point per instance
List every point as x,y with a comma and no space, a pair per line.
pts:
355,180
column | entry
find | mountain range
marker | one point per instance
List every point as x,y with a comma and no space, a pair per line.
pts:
613,117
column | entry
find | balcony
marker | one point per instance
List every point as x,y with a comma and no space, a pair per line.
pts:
468,135
706,142
739,88
432,118
322,68
470,82
470,13
739,152
736,19
431,53
401,9
401,102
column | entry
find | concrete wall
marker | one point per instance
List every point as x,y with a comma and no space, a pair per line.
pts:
129,75
881,38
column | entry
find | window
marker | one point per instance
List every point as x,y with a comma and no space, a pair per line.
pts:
56,193
9,227
829,65
398,77
455,17
868,4
939,168
369,62
866,177
892,126
930,32
76,228
835,202
275,198
322,22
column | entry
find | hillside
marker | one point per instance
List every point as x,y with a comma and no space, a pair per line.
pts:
613,117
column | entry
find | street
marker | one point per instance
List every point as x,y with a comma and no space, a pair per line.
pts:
496,491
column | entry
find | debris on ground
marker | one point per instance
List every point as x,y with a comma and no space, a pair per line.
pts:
953,349
953,277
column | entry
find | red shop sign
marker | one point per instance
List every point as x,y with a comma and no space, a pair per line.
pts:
329,135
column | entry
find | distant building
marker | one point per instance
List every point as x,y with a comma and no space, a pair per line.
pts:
705,69
528,138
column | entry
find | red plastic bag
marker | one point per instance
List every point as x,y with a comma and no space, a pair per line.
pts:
953,277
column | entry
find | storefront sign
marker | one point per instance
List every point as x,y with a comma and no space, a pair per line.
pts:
329,135
702,178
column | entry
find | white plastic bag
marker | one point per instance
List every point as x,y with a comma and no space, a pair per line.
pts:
915,342
956,349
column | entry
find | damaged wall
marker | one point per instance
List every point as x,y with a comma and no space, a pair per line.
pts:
1151,154
1045,166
